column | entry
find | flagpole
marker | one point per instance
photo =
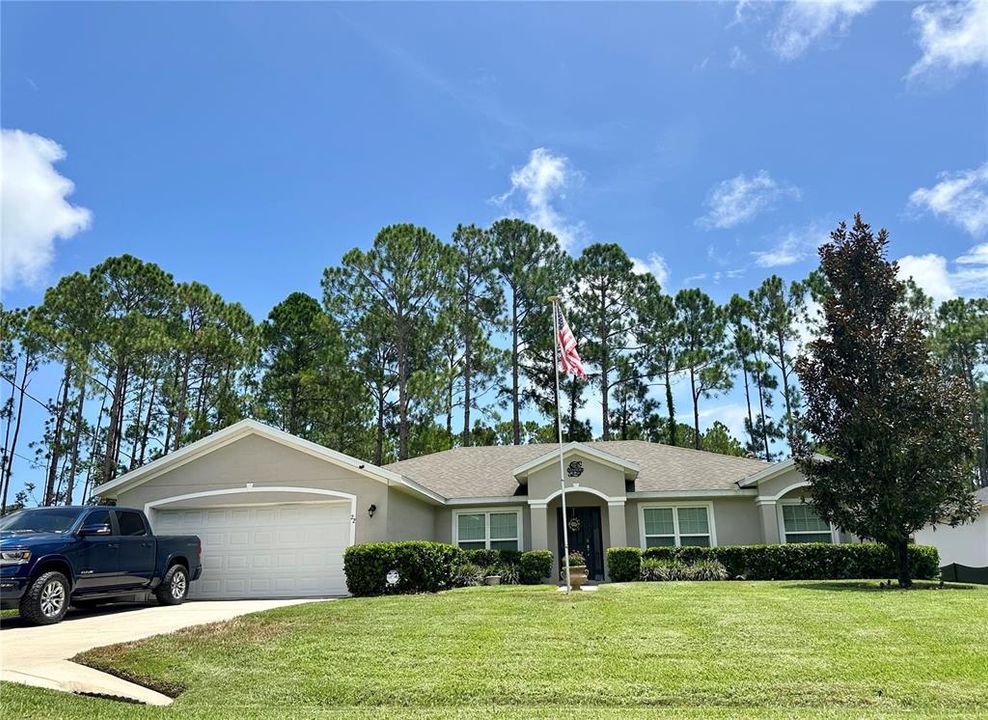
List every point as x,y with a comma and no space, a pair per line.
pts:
559,430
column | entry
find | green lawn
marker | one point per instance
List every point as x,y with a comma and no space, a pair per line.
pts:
685,650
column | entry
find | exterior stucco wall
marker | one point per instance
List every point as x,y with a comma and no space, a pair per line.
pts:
781,484
408,518
965,544
545,481
264,463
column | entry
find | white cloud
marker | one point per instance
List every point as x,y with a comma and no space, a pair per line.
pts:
732,415
961,198
739,199
930,273
792,246
803,24
655,264
942,280
543,181
952,36
971,273
34,207
739,60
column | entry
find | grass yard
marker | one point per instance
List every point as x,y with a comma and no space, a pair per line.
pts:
685,650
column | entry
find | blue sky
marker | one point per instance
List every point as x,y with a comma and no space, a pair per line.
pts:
247,146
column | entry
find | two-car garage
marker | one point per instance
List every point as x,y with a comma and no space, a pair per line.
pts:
274,512
284,550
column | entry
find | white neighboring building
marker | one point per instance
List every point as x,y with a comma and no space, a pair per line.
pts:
965,544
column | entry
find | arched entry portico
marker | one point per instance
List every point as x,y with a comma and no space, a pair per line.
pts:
595,522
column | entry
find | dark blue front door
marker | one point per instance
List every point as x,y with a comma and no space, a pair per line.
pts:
585,537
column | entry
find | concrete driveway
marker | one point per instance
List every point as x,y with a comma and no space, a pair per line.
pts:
39,655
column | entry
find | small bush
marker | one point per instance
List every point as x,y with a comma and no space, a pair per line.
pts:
469,575
422,567
708,570
657,570
804,561
509,573
534,566
624,564
576,558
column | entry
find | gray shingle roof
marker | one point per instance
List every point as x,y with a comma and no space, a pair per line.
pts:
488,471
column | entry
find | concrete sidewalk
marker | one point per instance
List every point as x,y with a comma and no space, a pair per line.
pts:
39,655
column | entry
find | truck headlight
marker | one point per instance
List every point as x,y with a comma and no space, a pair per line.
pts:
14,557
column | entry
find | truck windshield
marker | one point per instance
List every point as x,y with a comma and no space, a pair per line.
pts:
42,520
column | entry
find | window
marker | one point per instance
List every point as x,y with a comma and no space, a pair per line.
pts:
802,525
130,523
673,525
99,517
494,529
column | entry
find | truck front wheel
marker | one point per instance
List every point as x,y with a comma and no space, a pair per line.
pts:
174,587
46,600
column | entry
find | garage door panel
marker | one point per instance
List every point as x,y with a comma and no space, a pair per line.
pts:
267,550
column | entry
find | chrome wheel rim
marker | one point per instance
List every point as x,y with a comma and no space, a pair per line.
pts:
52,599
178,585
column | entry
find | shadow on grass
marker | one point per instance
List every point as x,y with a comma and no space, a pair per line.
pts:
876,586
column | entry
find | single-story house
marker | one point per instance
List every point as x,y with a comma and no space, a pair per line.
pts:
965,544
276,512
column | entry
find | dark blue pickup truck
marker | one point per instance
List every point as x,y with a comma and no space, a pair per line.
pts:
51,557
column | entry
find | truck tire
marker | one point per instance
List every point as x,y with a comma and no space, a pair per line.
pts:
46,600
174,587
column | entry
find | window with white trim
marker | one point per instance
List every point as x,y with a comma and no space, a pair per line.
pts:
493,529
677,525
801,524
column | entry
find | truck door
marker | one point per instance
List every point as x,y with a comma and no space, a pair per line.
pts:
136,548
98,558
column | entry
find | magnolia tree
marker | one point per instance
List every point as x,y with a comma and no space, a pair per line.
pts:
896,430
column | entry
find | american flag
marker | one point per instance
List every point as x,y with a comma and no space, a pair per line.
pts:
569,358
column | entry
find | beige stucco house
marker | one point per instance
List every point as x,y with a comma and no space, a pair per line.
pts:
275,512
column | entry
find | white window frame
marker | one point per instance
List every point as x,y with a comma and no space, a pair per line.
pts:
486,512
834,532
642,507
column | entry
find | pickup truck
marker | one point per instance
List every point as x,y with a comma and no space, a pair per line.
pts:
51,557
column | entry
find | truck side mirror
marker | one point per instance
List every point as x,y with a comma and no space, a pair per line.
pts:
88,530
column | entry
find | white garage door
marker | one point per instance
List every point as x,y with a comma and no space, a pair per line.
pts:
265,551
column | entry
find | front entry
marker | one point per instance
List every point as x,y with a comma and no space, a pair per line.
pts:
585,537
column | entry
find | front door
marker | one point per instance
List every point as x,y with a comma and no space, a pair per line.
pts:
585,537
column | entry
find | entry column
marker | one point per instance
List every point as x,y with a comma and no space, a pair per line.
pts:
617,529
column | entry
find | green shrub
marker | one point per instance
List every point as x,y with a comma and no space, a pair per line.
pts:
707,570
509,573
804,561
624,564
534,566
422,567
661,570
484,558
469,575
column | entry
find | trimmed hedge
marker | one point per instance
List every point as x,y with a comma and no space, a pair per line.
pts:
624,564
797,561
534,566
422,567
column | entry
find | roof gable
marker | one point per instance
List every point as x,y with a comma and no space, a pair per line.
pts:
243,429
630,469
